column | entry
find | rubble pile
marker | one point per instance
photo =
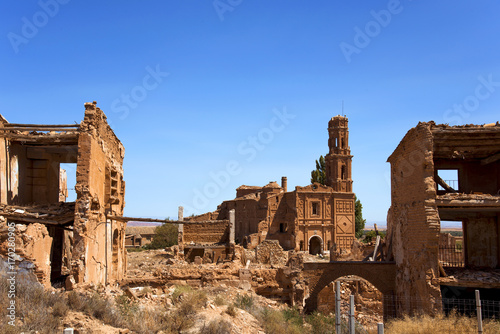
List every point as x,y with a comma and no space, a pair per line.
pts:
485,278
54,214
270,252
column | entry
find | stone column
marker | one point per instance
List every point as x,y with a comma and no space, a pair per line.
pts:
232,225
180,229
284,183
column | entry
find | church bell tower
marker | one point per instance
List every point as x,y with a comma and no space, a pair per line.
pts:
339,158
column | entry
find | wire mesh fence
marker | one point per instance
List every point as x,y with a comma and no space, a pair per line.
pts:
461,315
398,307
451,256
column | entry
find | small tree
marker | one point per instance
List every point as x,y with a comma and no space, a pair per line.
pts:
359,225
165,236
319,174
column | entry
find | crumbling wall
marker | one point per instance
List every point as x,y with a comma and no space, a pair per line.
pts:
482,242
282,217
3,165
99,245
448,240
270,252
413,223
32,246
206,233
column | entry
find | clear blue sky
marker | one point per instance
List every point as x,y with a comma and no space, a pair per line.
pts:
193,88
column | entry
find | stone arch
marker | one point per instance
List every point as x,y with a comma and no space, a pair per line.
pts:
367,296
319,275
315,245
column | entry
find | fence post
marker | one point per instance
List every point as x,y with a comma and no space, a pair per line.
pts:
380,328
352,321
337,307
479,314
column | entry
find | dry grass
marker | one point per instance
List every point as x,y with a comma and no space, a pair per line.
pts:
231,310
187,302
440,324
275,322
219,326
33,307
44,311
219,300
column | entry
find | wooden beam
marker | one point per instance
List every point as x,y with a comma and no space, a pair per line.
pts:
42,125
29,219
56,138
445,185
490,159
37,129
377,243
151,220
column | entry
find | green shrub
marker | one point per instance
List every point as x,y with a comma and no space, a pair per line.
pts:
166,235
244,302
370,236
320,323
231,310
275,322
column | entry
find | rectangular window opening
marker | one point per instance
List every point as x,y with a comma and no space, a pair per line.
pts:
447,180
451,244
315,208
67,182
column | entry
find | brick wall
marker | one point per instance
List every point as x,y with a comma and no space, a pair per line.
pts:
207,233
413,221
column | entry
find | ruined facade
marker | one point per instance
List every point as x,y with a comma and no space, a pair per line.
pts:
313,218
207,239
54,237
138,236
422,197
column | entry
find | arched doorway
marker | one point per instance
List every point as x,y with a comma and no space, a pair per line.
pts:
315,245
368,300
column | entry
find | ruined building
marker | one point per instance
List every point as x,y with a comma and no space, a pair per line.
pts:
54,238
313,218
422,197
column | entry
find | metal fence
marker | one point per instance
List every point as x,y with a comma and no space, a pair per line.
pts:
450,309
451,256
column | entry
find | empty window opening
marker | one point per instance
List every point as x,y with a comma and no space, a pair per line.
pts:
67,182
283,227
447,180
336,142
342,143
343,172
315,208
451,244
